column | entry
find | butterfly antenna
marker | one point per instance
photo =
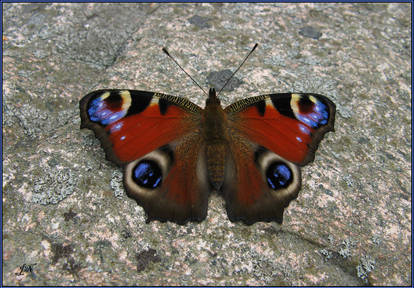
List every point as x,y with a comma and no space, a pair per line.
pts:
228,80
168,54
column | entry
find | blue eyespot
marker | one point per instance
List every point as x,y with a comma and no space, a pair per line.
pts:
147,174
278,175
100,111
317,115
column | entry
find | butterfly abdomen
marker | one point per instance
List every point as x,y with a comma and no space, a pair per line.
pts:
216,157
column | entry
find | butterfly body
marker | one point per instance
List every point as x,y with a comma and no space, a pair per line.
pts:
175,153
216,139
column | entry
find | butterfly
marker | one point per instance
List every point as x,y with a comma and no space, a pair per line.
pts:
175,153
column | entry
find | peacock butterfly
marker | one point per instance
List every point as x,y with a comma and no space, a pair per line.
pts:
174,153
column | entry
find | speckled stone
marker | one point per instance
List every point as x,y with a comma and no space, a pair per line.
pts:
66,220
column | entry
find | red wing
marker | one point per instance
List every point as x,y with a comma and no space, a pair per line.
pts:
157,138
291,125
268,134
131,123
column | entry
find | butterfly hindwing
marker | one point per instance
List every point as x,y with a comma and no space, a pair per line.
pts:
260,185
170,183
155,137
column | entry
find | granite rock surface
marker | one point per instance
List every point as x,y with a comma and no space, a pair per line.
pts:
66,218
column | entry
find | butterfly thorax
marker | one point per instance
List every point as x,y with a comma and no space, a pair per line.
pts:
214,133
213,119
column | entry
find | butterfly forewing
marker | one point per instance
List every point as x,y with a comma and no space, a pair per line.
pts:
289,124
131,123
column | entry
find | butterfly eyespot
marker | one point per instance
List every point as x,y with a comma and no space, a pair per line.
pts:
278,175
311,111
109,107
147,174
